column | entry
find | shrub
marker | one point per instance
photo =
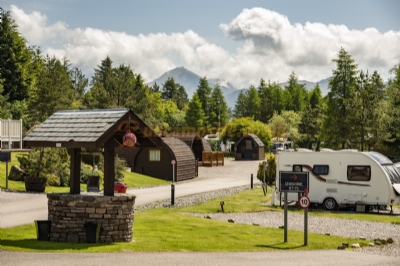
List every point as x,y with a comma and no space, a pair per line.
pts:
270,170
53,180
119,167
46,163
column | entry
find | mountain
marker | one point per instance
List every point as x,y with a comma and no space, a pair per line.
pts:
181,75
190,81
323,85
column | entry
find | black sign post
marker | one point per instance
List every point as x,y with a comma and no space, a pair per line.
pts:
5,157
294,182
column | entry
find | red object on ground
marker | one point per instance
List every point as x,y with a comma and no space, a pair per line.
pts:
120,188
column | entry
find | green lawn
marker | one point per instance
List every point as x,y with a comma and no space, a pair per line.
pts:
167,230
170,229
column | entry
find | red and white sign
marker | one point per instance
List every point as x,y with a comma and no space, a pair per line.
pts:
173,162
304,202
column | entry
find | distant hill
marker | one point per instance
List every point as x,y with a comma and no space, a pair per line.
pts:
181,75
323,85
190,81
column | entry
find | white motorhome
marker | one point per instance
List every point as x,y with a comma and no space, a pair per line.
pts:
345,177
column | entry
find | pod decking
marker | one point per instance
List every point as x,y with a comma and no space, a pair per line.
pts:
344,177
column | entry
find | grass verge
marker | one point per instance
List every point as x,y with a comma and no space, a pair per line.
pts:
168,229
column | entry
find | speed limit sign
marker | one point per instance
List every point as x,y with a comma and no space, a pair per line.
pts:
304,202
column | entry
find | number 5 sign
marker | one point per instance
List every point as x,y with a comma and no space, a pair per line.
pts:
304,202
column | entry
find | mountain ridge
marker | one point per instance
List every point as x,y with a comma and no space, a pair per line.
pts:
190,81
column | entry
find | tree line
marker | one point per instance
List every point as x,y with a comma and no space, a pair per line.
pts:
360,111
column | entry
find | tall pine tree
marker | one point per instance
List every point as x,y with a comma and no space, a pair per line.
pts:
338,124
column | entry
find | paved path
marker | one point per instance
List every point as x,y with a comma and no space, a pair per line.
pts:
287,258
19,208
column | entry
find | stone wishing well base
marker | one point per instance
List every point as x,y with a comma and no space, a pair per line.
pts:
68,214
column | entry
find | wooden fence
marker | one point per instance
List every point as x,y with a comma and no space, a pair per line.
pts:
212,158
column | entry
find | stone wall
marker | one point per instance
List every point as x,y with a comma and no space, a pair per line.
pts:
68,213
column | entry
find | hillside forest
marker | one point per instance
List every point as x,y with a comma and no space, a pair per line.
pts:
361,110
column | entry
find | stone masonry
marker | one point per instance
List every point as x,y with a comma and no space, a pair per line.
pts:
68,213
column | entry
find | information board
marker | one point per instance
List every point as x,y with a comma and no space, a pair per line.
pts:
5,156
293,181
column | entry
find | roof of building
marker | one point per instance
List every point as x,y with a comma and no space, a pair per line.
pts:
180,149
86,128
256,139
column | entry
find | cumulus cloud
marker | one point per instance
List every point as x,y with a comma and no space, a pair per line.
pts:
308,49
273,48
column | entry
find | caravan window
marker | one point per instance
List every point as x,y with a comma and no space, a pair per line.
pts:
393,173
359,173
297,168
320,169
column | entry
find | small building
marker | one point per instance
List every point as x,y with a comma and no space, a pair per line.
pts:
197,144
249,147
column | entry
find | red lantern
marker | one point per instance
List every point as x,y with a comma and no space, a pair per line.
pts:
129,140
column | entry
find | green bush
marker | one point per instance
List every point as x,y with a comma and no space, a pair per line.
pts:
46,163
213,144
87,170
53,180
119,167
270,170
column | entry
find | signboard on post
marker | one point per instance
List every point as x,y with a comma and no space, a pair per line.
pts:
5,156
293,181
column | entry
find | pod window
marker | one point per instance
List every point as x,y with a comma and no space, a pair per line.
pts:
154,155
320,169
359,173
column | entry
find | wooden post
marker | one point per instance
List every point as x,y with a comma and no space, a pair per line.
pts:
75,171
109,171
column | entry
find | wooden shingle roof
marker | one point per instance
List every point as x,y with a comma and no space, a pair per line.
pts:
78,126
84,128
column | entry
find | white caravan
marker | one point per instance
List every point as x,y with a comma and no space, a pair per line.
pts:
345,177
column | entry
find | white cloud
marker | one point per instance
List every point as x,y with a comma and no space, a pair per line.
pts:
309,49
273,48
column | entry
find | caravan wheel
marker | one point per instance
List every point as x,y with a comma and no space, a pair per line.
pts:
330,204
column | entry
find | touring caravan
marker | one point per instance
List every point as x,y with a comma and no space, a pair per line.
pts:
345,177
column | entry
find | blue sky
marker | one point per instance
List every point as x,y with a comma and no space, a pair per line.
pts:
238,41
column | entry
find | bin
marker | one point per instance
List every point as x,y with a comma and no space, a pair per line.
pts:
43,230
93,183
92,230
120,188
